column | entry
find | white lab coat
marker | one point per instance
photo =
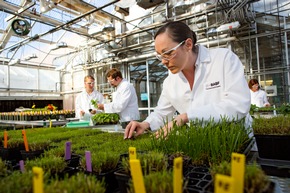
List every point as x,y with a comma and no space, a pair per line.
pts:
83,102
125,102
220,90
259,98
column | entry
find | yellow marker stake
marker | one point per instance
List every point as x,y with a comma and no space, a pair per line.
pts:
5,139
50,123
37,180
238,171
224,184
177,175
137,176
25,140
132,153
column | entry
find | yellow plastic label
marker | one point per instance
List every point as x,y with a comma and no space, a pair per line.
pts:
238,171
25,140
177,175
50,123
37,180
132,153
137,176
224,184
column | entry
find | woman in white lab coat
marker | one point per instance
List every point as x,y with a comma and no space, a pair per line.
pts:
202,83
258,96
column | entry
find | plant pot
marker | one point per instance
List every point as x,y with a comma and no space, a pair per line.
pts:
109,179
123,179
269,189
29,155
68,171
12,154
273,146
74,162
273,167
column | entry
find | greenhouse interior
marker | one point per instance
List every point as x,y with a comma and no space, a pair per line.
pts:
177,132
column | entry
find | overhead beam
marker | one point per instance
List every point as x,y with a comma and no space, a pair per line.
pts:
12,9
63,26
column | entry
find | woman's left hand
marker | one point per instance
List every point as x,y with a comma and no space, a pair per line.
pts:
179,121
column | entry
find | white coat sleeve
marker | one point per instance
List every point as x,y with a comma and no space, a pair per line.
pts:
78,106
265,99
163,112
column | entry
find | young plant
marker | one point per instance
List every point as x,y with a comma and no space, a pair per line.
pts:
157,182
206,142
278,125
284,109
78,183
52,164
102,161
19,182
95,103
3,168
40,145
106,118
151,161
15,143
256,181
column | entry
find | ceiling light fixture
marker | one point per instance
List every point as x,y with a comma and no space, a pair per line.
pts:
108,27
95,30
58,45
14,62
46,6
29,57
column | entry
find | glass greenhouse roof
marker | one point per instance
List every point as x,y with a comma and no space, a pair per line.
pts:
39,47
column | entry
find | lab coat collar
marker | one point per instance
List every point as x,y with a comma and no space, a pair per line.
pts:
122,81
203,55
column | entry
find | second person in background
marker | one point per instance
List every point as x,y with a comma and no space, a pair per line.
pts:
125,101
85,109
258,96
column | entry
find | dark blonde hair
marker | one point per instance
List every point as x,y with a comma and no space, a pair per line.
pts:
253,82
89,77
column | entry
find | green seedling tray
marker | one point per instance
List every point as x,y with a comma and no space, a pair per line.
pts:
75,124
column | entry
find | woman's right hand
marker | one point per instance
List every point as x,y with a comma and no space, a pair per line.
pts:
135,126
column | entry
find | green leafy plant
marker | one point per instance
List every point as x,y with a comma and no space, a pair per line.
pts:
278,125
284,109
3,168
19,182
78,183
15,143
52,164
206,142
106,118
157,182
151,161
95,103
102,161
40,145
256,181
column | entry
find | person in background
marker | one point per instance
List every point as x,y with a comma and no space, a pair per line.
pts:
201,84
124,100
85,107
258,96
